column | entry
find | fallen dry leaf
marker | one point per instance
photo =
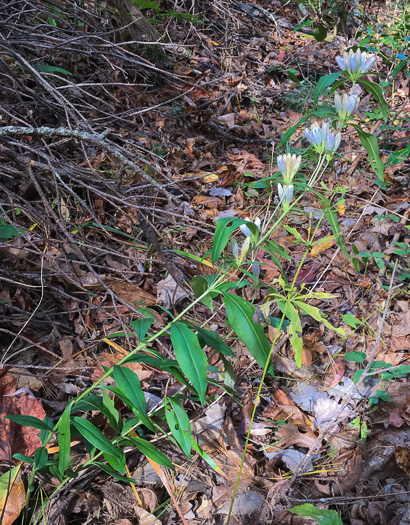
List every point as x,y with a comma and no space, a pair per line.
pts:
230,458
12,496
145,518
335,374
402,455
131,293
210,202
128,292
209,427
311,338
148,499
109,360
245,161
395,418
349,476
246,501
402,327
15,438
164,479
399,344
300,435
284,408
345,438
169,293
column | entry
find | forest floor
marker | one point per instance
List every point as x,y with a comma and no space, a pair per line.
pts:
116,162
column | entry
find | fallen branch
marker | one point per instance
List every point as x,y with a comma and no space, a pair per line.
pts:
89,137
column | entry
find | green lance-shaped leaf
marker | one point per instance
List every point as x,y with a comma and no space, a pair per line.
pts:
331,216
323,517
317,316
112,472
252,335
51,69
149,450
117,462
325,82
295,330
212,339
200,285
223,231
179,424
377,93
337,85
30,421
141,326
92,434
292,130
40,457
104,404
190,356
129,384
369,142
206,458
273,247
64,439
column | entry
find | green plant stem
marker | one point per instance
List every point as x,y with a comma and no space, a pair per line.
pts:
277,222
141,345
258,394
30,486
316,174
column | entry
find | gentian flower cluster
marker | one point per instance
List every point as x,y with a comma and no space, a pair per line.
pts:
288,165
346,106
245,247
246,230
285,194
322,139
355,63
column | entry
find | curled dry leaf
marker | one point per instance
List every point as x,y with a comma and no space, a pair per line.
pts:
402,326
207,429
131,293
210,202
290,457
300,435
128,292
246,503
145,517
311,338
245,161
148,499
162,475
402,455
395,418
108,360
284,408
345,439
169,293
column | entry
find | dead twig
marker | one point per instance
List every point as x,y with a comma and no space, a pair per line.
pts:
99,139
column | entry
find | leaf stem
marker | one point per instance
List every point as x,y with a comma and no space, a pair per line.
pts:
258,394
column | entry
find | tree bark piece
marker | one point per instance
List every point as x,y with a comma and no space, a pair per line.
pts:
139,29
